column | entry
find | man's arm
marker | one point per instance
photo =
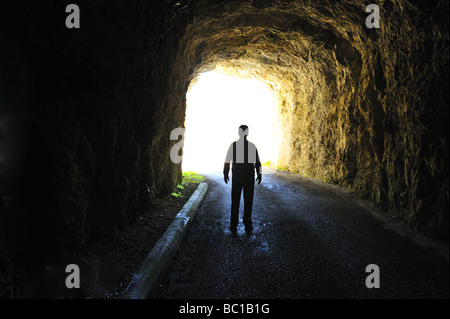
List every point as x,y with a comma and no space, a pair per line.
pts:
226,165
258,168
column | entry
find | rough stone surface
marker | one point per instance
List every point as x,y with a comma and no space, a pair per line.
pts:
364,108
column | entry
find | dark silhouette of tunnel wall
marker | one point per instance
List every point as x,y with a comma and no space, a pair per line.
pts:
364,108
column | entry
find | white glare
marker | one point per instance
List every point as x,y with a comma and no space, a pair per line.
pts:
217,105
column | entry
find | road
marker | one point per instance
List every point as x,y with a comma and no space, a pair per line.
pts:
310,240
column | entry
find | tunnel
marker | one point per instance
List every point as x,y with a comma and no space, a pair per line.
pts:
86,113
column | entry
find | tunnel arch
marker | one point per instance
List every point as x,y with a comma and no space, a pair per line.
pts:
336,80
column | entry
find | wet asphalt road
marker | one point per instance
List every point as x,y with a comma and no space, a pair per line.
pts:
310,240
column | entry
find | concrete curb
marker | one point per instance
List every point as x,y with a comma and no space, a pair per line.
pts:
146,280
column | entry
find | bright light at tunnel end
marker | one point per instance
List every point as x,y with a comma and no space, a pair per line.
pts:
217,104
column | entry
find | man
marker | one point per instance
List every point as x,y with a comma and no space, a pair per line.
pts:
244,156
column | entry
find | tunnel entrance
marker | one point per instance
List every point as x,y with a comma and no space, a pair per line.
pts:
217,104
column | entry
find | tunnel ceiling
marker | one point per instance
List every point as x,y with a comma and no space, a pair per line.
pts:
272,41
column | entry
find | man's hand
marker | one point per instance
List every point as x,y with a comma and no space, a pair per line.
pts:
259,178
226,178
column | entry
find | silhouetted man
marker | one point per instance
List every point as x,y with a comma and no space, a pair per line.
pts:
244,156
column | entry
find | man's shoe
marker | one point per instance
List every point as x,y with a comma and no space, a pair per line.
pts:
233,229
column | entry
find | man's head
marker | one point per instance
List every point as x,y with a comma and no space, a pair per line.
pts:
243,130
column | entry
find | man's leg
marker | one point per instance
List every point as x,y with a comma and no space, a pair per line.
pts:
236,189
249,188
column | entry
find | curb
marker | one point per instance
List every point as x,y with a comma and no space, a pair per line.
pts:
146,280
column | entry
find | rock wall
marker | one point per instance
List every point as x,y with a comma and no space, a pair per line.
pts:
364,108
92,108
100,111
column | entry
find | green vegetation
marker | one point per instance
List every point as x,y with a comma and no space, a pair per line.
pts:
274,166
176,194
192,177
188,177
